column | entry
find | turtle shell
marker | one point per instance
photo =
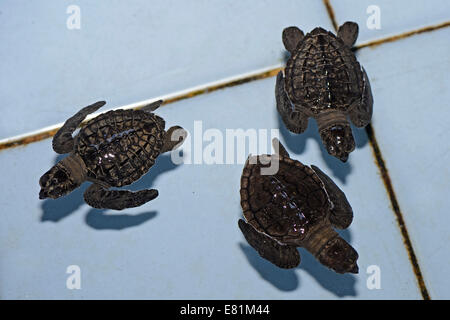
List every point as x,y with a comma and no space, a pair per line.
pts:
323,74
286,205
119,146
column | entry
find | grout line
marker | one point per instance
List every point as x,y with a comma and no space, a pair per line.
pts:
228,83
395,205
377,42
381,164
396,208
48,132
331,14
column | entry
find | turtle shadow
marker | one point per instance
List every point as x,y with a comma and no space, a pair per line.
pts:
297,144
100,220
285,55
282,279
56,209
340,285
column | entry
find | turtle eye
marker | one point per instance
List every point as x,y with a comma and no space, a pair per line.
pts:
60,176
44,179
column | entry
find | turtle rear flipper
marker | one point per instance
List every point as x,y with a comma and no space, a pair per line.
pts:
295,121
63,141
283,256
98,197
342,213
361,112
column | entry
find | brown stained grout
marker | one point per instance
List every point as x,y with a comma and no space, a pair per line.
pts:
331,14
396,208
264,75
29,139
379,160
22,141
393,38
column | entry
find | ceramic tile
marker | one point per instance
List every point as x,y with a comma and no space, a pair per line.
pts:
186,244
130,51
410,85
395,17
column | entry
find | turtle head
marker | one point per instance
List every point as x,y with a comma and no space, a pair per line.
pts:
60,180
339,256
339,141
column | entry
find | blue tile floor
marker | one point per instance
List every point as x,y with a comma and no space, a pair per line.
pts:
131,51
395,17
185,244
412,128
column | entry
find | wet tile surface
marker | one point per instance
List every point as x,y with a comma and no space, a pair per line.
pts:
131,51
186,243
411,124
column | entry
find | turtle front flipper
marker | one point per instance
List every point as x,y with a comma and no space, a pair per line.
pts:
174,138
283,256
294,120
361,112
341,213
348,32
292,36
63,140
98,197
152,106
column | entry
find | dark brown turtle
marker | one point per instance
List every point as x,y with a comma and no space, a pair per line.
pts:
113,150
323,80
296,207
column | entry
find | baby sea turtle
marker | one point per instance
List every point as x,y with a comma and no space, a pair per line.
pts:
296,207
113,150
323,80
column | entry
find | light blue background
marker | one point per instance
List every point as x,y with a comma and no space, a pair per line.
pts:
185,244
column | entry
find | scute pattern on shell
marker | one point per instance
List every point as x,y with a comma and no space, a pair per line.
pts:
119,146
285,205
323,74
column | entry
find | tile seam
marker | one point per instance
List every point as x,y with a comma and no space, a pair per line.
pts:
381,164
387,181
50,131
403,35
